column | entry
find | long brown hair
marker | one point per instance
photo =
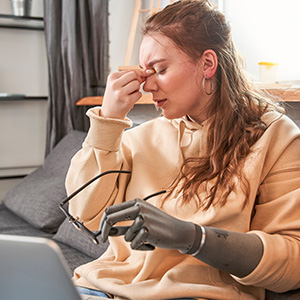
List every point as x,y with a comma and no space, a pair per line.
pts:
235,109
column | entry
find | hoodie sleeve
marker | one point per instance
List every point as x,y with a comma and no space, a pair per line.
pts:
101,151
277,213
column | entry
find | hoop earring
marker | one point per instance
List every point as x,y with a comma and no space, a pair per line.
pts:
212,86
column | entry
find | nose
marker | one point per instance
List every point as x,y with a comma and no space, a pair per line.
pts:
150,84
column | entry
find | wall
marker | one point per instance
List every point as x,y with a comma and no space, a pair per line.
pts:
23,66
23,70
121,13
267,30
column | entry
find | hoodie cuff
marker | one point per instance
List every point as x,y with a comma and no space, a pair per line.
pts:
271,271
105,133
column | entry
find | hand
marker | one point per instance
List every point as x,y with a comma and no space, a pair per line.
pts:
151,227
122,92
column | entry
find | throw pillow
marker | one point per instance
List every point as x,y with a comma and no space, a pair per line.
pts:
35,199
69,235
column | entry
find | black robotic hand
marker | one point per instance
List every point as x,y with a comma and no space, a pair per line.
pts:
151,227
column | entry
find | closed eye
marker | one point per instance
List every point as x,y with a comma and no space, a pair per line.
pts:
161,71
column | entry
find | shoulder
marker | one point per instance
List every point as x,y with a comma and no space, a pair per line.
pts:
281,135
274,117
280,126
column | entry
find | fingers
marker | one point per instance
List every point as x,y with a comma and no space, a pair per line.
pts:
118,230
118,207
138,243
134,228
137,234
107,224
126,78
114,214
140,238
113,209
142,72
145,247
122,92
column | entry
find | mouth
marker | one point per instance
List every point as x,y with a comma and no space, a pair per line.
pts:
159,102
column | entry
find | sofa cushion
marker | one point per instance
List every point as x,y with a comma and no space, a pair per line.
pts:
75,238
73,257
11,224
35,199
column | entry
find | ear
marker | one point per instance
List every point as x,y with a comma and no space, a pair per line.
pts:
209,62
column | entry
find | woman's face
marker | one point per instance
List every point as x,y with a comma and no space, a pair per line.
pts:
176,85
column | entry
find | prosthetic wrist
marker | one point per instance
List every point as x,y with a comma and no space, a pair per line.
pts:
200,236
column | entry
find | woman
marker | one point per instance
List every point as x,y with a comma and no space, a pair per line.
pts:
228,225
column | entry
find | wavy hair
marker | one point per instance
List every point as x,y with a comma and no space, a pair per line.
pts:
235,109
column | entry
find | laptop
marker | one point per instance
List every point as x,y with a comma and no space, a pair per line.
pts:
33,268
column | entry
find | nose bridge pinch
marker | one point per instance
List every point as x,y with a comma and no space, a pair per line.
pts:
150,84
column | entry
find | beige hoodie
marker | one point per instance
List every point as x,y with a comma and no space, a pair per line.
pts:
153,152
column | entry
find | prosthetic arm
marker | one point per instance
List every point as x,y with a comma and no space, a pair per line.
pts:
232,252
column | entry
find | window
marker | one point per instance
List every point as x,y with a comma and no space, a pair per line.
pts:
266,30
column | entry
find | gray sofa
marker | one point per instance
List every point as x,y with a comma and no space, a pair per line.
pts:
31,209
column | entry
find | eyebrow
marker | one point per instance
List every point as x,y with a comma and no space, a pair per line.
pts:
153,62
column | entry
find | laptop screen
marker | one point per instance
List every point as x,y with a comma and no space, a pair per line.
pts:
33,268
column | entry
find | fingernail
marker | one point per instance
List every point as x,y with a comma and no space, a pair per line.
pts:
150,71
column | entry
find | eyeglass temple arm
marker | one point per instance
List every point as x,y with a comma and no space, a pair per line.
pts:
88,183
154,194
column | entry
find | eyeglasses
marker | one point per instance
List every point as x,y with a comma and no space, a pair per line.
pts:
93,235
80,225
